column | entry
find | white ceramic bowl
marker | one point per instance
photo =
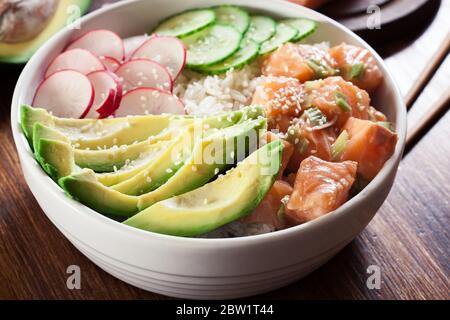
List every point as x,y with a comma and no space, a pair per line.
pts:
203,268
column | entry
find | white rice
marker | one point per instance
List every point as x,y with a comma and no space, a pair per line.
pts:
209,95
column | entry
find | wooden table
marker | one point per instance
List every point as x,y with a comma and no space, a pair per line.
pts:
408,238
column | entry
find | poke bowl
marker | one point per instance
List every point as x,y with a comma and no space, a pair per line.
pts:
194,231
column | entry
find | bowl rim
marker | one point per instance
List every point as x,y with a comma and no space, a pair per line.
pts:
388,169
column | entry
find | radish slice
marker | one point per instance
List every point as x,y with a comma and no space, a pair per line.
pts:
103,101
66,93
132,43
168,51
105,89
101,43
107,110
110,63
77,59
144,73
142,101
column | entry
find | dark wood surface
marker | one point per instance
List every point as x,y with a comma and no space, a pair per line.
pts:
408,238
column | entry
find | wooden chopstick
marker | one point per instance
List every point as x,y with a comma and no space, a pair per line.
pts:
428,73
440,107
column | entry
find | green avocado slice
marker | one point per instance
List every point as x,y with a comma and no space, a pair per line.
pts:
107,133
104,160
217,203
84,187
210,156
133,161
104,133
185,179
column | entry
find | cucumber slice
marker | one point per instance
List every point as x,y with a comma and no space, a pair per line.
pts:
261,28
186,23
232,16
247,52
211,45
283,34
304,27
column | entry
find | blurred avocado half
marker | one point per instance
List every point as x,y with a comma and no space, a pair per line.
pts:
26,24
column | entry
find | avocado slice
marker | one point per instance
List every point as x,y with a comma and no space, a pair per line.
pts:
228,198
20,52
85,187
153,166
104,160
139,157
58,158
106,133
197,170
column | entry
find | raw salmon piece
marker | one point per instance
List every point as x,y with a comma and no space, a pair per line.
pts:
301,61
281,98
369,144
320,187
357,65
308,141
268,209
333,96
288,149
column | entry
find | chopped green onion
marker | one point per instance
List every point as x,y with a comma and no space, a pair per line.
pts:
357,70
339,145
341,101
320,70
315,116
387,125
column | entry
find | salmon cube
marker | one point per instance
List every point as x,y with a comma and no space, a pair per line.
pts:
369,144
337,98
320,187
357,65
281,97
301,61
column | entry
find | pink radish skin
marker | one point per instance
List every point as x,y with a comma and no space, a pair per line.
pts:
100,42
168,51
77,59
144,73
143,101
110,63
66,93
132,43
109,110
105,91
107,101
